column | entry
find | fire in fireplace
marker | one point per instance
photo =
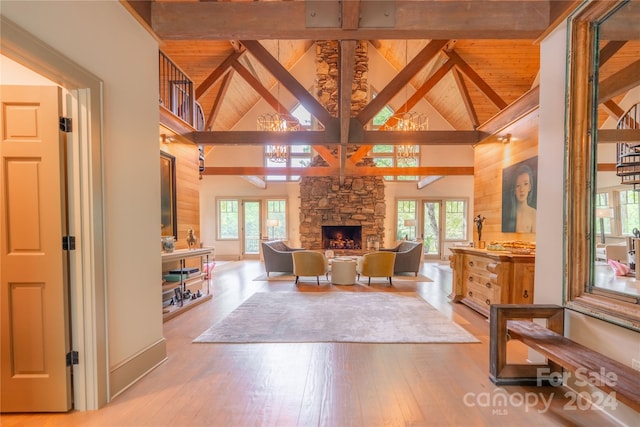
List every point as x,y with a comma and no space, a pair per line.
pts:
342,236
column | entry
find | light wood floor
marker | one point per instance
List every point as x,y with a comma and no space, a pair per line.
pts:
324,384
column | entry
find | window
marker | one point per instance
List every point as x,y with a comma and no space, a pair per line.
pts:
277,219
387,155
629,212
406,214
228,226
298,156
455,220
602,201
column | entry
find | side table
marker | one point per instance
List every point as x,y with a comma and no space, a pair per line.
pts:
343,272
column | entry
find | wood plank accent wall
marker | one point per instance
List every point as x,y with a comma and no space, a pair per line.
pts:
187,189
491,157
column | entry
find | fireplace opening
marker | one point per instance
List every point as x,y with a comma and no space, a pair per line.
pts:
342,237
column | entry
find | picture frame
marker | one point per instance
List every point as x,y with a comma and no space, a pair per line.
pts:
510,201
168,211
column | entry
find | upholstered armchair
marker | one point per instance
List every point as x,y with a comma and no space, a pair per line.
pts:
310,263
277,256
408,257
376,264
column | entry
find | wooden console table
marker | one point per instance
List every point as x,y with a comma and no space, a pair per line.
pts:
482,278
194,284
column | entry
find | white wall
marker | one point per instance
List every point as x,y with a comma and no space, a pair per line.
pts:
103,38
550,221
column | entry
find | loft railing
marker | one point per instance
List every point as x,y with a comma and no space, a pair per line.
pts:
177,93
628,166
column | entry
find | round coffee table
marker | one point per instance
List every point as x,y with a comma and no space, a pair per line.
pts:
343,272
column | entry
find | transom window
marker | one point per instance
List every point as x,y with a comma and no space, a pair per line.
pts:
387,155
298,156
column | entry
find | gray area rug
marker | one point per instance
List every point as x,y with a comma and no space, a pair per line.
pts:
358,317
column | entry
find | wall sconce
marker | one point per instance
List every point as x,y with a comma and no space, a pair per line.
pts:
505,139
166,139
603,213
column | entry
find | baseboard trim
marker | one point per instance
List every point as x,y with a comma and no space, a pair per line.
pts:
127,373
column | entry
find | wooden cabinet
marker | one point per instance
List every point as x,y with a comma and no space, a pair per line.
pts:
482,278
191,289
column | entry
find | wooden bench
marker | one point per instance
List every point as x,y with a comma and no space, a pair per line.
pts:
514,321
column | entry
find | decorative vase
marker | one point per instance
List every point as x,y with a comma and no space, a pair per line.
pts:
168,243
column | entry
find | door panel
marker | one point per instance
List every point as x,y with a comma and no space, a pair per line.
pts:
251,227
432,230
34,295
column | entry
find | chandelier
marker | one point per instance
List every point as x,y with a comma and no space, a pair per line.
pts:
277,122
407,122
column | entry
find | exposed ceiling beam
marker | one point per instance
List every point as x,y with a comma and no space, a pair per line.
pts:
618,135
622,26
428,180
476,19
334,171
620,82
350,13
283,76
400,80
476,80
518,108
217,102
466,99
260,88
255,180
422,91
345,93
429,137
327,155
612,109
609,50
216,74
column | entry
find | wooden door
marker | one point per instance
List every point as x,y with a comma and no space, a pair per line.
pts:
34,294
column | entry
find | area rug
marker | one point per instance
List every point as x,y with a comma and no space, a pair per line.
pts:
356,317
288,277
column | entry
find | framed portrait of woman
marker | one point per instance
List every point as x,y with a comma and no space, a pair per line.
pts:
519,197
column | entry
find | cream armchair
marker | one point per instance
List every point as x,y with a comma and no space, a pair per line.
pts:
376,264
310,263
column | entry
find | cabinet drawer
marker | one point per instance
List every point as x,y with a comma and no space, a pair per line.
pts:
480,296
476,263
478,278
487,290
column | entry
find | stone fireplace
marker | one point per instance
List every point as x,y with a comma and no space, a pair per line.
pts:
342,237
324,202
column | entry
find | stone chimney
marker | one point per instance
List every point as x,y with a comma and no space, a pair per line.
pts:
360,200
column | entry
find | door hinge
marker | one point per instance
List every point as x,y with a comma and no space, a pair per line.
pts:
65,124
68,243
73,358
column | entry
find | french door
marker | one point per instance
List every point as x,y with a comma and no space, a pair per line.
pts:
251,228
432,233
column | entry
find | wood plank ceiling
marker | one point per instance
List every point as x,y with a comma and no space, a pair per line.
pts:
468,59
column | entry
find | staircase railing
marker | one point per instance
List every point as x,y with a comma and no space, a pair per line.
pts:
177,93
628,153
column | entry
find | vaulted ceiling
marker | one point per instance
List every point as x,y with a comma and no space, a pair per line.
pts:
468,59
